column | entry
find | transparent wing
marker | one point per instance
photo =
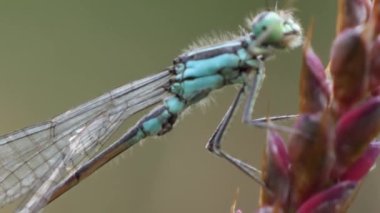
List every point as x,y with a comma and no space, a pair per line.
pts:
31,154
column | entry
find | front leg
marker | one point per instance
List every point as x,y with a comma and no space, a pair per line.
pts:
215,142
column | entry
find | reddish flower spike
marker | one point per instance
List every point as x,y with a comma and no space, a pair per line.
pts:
315,91
330,199
374,68
348,67
352,13
276,171
355,130
364,164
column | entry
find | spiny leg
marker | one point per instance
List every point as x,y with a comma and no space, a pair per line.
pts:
214,143
275,118
253,89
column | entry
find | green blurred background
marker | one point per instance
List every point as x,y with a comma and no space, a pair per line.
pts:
55,55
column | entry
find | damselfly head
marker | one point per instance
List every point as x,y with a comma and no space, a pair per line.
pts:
278,29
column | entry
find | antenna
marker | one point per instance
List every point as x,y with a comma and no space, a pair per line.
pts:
268,5
275,7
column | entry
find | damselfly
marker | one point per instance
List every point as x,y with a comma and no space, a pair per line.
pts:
47,159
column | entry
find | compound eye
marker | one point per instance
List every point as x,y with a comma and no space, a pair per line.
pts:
264,28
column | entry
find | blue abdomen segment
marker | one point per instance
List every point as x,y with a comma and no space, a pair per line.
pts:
155,124
209,66
190,89
174,105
